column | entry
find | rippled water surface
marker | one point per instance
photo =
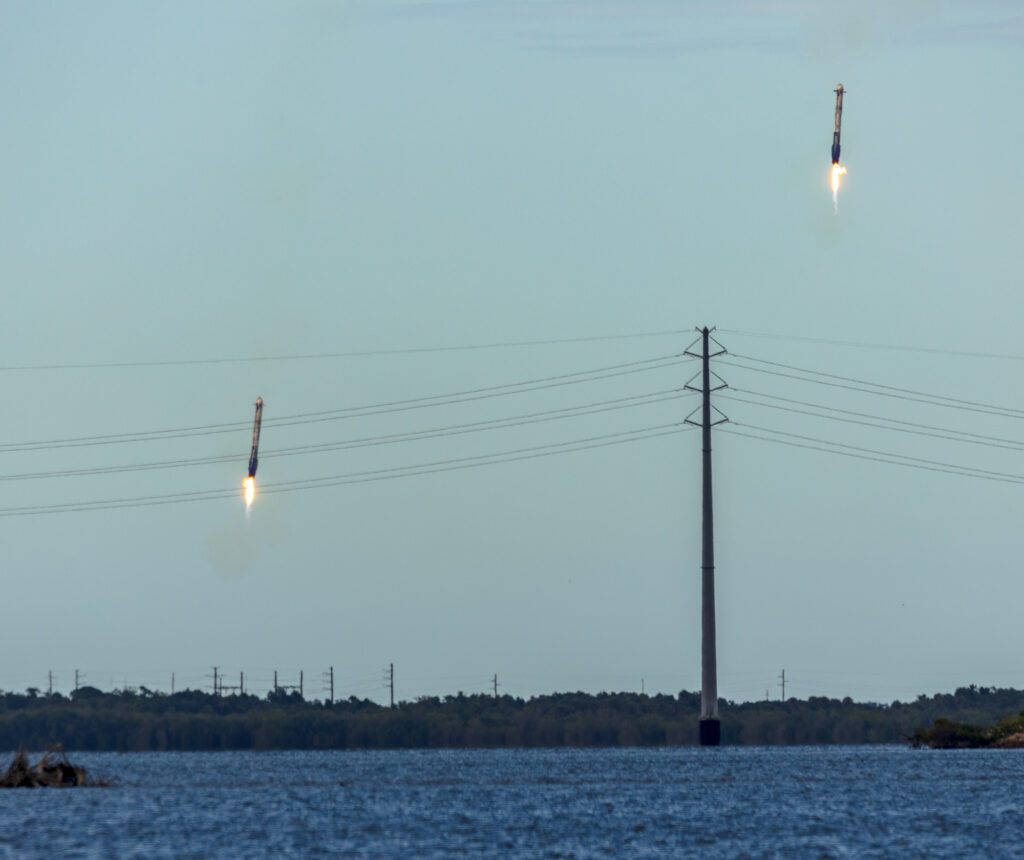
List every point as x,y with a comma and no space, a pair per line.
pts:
729,802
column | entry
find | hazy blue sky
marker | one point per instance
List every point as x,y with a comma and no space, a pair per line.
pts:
267,180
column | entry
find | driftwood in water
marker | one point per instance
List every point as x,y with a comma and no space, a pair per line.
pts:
53,770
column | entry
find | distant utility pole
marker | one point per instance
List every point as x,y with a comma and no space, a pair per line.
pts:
495,685
641,686
389,681
216,683
284,688
172,683
710,725
782,678
49,684
79,677
328,677
233,688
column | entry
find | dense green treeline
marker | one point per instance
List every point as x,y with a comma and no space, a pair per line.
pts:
1008,733
192,720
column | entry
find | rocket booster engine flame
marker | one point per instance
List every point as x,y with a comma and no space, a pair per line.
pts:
837,171
250,482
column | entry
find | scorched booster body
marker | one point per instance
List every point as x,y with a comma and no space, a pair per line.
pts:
837,169
839,124
254,455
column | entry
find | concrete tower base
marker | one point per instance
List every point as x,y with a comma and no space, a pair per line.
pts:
710,733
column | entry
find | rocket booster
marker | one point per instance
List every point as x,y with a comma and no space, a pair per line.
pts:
253,457
839,123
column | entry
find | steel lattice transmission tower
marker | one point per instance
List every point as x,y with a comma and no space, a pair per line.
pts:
710,725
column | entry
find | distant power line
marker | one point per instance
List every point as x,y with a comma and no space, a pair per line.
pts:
826,446
883,346
359,353
385,407
566,412
893,424
400,431
454,464
879,389
505,344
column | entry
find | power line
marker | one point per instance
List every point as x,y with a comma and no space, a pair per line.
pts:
177,362
872,454
887,390
473,394
907,426
386,407
115,438
527,453
616,404
883,346
454,464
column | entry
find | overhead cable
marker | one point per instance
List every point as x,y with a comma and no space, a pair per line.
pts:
464,396
885,390
372,441
458,463
360,353
857,452
883,346
903,426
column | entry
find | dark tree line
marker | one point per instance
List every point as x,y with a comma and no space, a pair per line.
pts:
193,720
1008,733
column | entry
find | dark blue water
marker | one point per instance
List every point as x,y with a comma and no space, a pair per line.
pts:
730,802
